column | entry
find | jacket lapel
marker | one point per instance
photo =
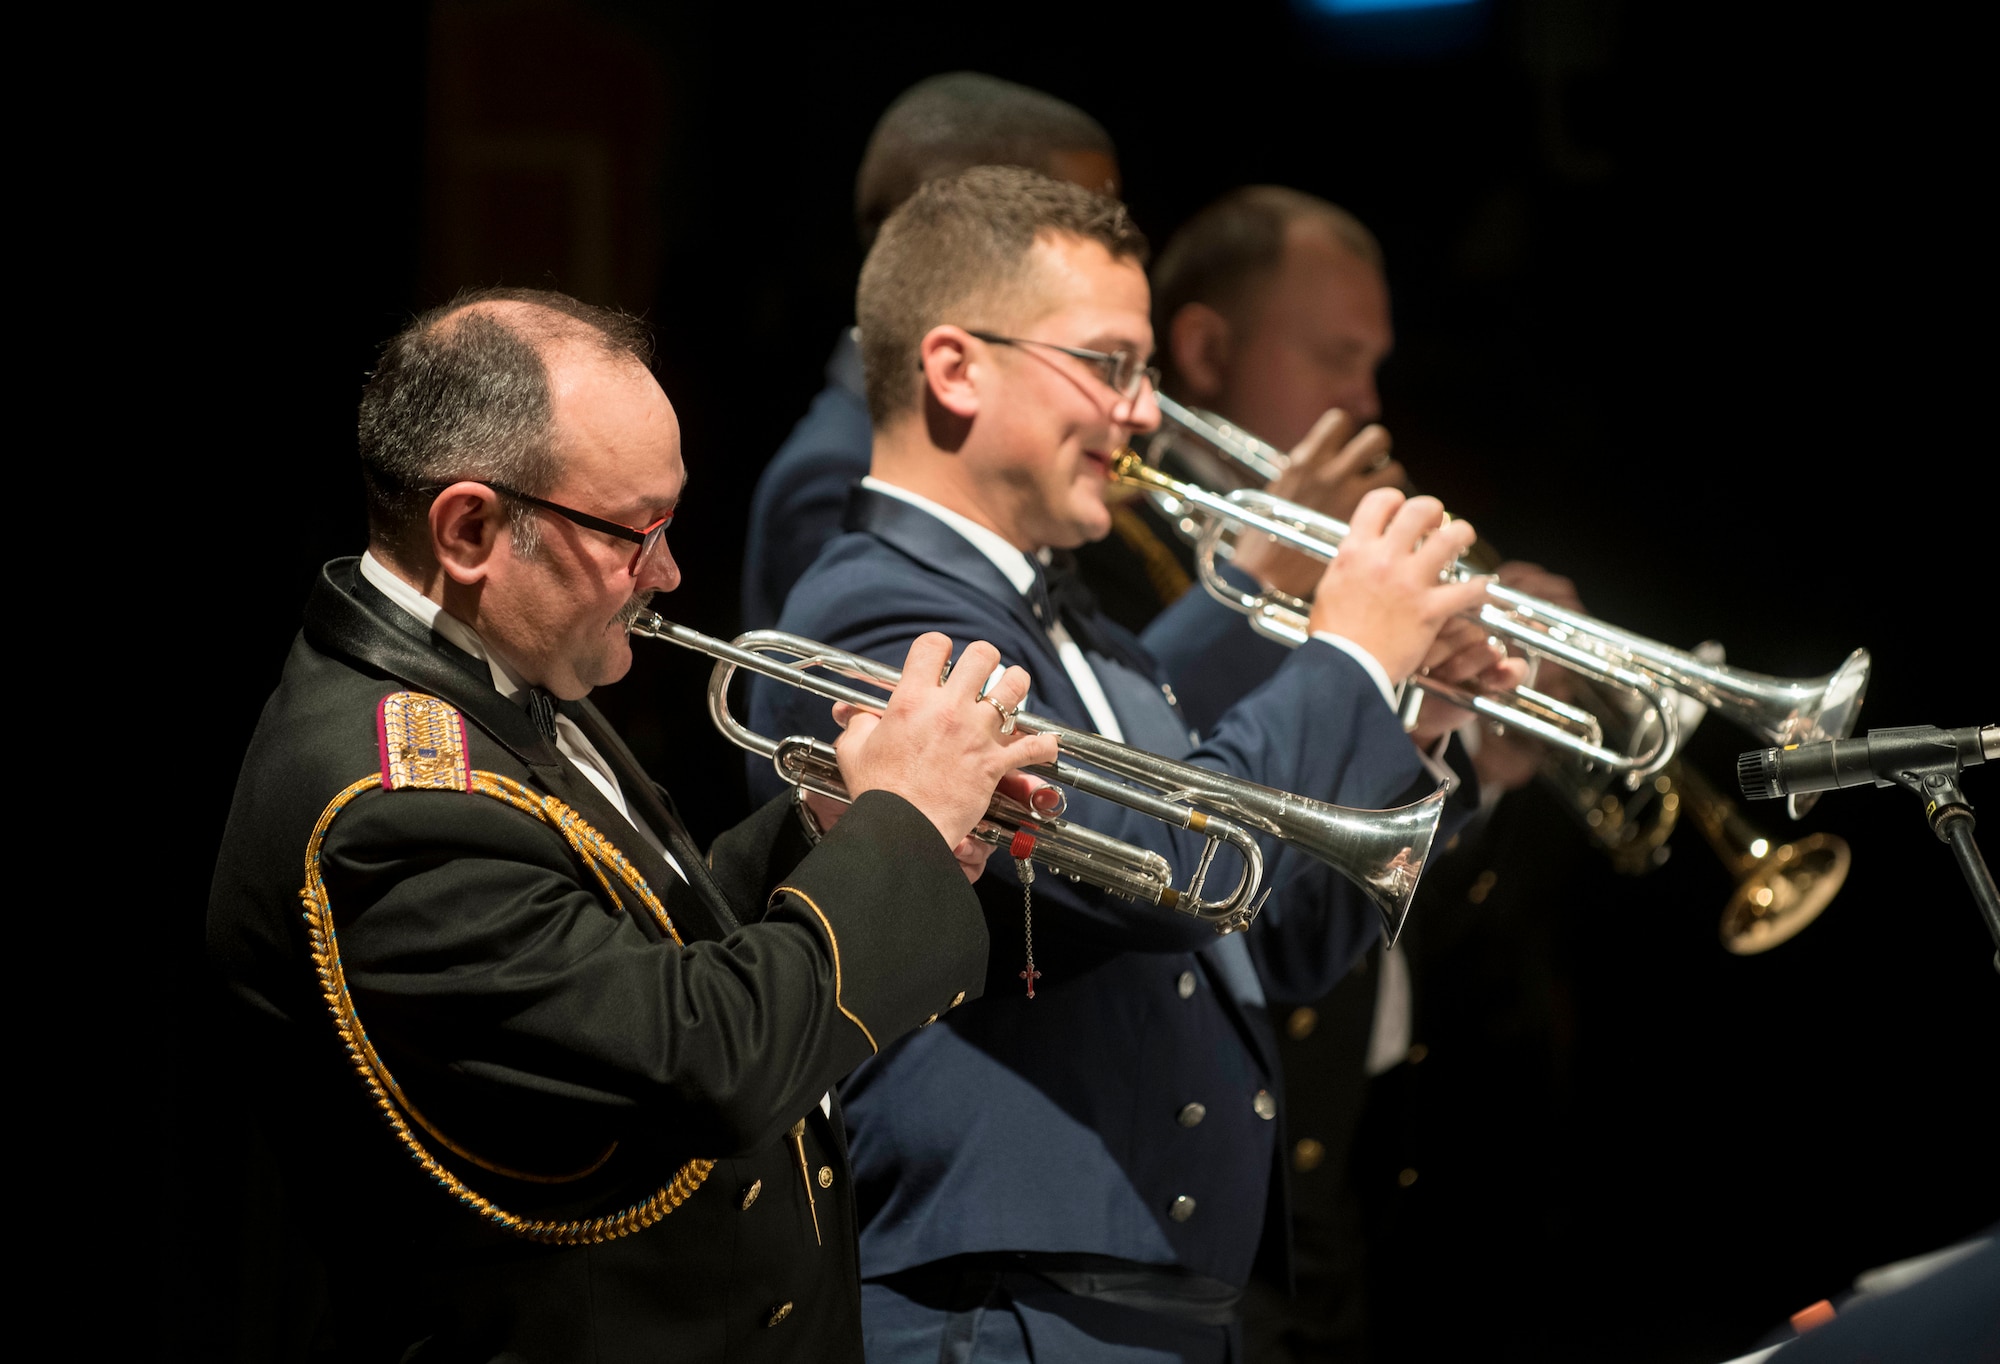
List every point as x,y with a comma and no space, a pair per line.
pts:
935,547
649,801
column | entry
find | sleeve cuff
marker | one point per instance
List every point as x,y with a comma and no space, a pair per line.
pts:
1369,663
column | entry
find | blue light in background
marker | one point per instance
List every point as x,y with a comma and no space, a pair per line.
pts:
1395,30
1345,8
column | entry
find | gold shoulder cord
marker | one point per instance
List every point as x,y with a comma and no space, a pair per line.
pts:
595,852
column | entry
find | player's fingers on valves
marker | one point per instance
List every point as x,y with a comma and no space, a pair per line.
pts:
929,657
1010,688
1366,456
972,672
1373,514
1415,525
1462,652
1448,600
1506,675
1328,438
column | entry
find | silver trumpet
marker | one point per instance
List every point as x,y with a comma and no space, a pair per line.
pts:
1781,710
1381,851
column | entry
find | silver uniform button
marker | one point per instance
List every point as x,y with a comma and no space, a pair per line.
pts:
1185,985
1266,1106
1192,1115
1182,1209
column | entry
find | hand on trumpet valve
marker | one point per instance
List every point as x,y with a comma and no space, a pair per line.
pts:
1464,656
1331,470
943,742
1386,590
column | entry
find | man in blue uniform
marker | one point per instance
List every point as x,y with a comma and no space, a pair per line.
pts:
1087,1170
939,126
1272,310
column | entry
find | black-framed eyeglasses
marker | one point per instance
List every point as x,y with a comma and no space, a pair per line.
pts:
646,538
1120,369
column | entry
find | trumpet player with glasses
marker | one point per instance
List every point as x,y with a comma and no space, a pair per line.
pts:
545,1079
1078,1166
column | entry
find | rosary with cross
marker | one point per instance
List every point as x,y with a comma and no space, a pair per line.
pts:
1020,849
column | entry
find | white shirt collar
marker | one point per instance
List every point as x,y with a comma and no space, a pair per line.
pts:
435,617
1011,562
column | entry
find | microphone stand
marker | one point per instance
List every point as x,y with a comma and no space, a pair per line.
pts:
1950,816
1922,760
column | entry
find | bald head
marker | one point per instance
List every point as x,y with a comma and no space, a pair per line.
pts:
1271,307
464,393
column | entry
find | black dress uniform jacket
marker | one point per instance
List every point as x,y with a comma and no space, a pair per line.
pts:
556,1052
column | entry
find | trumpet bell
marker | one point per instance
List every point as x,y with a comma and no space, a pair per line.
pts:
1831,714
1382,852
1784,891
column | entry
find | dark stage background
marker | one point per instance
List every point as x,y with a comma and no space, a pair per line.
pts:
1678,295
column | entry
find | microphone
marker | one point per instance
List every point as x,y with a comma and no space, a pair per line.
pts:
1887,757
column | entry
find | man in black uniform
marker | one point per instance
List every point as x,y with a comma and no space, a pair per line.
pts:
547,1082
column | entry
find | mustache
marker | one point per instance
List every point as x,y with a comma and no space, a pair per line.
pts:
637,605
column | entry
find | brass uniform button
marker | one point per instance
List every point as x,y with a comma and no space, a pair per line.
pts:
1307,1155
1185,985
1300,1025
1266,1107
1181,1209
826,1176
779,1313
1418,1051
958,999
750,1194
1192,1115
1406,1178
928,1021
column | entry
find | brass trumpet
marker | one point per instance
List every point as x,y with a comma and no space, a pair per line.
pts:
1381,851
1779,888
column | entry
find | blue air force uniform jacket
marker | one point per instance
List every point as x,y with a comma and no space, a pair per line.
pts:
1129,1108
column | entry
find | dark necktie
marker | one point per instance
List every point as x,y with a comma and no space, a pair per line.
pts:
649,802
1070,600
542,710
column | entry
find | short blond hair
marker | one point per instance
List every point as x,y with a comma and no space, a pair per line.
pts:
957,245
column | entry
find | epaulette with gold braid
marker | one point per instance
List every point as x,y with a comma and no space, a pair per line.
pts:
422,742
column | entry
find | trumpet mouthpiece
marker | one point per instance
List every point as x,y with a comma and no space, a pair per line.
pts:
1129,466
